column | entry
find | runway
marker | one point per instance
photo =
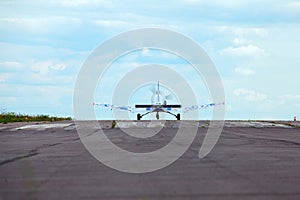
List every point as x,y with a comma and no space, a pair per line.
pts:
252,160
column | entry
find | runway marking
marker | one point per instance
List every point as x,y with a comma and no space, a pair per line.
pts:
41,126
228,124
256,124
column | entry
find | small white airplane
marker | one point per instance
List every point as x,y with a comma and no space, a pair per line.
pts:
158,104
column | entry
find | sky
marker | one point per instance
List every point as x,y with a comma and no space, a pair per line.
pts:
255,46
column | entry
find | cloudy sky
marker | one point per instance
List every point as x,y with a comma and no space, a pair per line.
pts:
255,46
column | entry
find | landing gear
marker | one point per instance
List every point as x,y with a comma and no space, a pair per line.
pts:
138,116
178,116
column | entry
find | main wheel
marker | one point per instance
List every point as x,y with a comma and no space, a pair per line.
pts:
138,116
178,116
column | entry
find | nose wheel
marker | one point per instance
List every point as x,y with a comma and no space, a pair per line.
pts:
157,115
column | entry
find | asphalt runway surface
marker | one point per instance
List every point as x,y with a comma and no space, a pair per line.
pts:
249,161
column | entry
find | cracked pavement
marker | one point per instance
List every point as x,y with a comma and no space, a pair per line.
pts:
248,162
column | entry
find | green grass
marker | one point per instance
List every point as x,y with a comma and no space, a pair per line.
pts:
6,117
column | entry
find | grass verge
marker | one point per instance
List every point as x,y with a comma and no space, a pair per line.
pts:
14,117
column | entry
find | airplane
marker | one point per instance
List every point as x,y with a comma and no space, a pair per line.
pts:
158,104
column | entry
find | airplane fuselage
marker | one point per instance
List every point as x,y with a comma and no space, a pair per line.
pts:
158,104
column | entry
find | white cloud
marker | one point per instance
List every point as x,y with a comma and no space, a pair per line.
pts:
4,77
242,32
293,6
240,41
11,65
39,24
58,67
249,50
290,97
244,71
262,32
249,95
41,67
33,90
44,66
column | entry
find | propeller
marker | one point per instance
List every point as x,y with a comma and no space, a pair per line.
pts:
153,90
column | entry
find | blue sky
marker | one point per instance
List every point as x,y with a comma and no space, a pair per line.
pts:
255,46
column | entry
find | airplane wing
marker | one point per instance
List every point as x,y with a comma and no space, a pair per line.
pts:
110,106
172,109
172,106
150,105
203,106
144,106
